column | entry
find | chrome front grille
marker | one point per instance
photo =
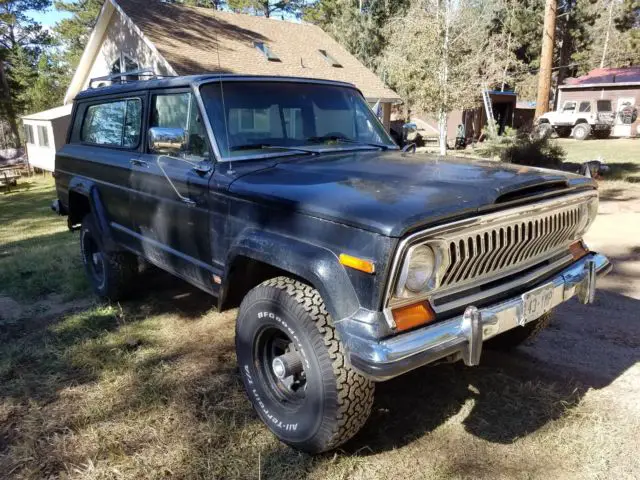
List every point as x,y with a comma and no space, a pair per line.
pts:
499,248
475,254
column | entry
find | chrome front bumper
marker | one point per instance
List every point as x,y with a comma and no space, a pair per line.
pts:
461,338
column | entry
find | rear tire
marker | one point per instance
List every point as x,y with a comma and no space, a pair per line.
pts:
517,336
323,402
602,134
110,273
581,131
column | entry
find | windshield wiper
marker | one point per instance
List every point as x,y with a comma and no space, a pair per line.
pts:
266,146
342,139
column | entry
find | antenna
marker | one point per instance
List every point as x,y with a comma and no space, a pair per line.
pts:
224,109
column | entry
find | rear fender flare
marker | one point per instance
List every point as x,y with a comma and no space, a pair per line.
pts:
89,189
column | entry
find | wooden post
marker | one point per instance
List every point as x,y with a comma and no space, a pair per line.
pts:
386,116
546,57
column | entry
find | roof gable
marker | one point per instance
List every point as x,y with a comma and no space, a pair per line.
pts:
196,40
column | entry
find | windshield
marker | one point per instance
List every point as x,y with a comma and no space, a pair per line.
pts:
267,117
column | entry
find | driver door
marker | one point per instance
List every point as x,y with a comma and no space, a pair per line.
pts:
170,200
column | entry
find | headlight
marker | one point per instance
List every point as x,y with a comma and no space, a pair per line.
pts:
419,268
588,213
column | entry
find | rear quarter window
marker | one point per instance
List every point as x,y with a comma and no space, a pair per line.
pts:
114,124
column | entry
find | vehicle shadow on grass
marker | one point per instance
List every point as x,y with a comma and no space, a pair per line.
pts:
514,394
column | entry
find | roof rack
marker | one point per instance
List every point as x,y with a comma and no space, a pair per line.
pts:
123,77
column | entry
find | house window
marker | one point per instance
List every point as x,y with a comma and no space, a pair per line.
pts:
28,134
43,136
266,51
123,64
249,120
585,107
329,59
115,124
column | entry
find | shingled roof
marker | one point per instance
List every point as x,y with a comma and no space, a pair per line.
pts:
197,40
607,75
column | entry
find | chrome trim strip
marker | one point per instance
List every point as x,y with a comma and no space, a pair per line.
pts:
503,216
461,337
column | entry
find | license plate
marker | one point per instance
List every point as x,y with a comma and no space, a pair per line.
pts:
537,302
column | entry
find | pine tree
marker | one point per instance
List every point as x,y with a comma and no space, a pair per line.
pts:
267,8
74,32
358,25
21,42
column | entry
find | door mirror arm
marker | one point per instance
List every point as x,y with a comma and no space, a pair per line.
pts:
186,200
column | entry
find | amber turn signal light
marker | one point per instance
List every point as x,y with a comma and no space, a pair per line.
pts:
578,250
357,263
413,315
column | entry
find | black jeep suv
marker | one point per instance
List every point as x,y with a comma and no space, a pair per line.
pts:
351,261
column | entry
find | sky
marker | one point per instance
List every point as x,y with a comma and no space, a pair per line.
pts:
49,17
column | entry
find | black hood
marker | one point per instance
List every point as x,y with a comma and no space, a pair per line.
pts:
390,192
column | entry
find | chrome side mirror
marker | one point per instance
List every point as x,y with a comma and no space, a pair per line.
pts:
166,141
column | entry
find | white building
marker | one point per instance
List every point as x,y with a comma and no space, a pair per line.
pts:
45,132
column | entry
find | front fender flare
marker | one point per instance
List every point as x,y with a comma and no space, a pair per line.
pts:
315,264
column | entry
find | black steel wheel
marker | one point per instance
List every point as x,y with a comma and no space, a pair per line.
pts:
110,274
294,368
281,367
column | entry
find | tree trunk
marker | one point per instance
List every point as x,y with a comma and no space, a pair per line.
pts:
442,131
8,107
606,38
444,79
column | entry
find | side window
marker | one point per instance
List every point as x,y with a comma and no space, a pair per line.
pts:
585,107
28,133
43,136
115,124
569,107
180,110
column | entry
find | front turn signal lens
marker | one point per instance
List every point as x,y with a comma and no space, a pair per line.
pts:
357,263
578,250
411,316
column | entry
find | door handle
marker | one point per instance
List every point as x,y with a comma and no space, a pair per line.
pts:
139,163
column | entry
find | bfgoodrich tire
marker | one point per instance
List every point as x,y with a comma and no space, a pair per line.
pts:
312,400
110,274
519,335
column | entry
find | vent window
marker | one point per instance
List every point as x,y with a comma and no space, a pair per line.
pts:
266,51
329,59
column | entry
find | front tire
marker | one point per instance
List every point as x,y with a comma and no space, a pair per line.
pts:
294,368
581,131
110,274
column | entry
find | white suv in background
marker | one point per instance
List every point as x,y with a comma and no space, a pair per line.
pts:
580,119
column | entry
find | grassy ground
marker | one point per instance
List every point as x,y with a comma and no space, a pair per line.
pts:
622,155
150,389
